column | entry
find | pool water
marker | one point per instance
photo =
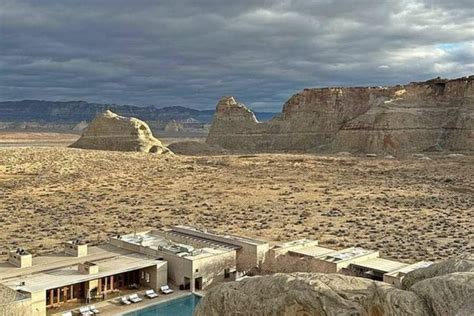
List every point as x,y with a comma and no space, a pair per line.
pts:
183,306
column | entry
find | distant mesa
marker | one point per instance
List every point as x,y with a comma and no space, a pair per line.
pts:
436,115
109,131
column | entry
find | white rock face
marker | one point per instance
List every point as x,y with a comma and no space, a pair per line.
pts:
109,131
333,294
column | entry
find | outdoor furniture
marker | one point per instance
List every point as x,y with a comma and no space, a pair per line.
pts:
150,294
166,289
134,298
85,311
93,309
124,300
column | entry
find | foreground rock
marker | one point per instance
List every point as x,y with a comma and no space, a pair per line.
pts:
434,115
109,131
334,294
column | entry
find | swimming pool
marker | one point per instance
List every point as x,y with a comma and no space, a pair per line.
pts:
183,306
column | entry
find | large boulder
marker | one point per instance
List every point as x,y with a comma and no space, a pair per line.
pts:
309,294
109,131
421,116
443,293
438,269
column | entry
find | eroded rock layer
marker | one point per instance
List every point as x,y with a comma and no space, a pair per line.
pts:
427,116
304,294
109,131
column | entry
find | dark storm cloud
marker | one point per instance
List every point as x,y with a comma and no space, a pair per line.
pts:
190,53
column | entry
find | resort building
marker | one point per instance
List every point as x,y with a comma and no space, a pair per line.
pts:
192,264
182,256
395,277
78,274
305,255
250,253
375,268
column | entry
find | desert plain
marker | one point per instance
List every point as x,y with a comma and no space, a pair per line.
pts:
409,209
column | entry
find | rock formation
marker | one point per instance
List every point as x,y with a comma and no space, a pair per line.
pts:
334,294
434,115
109,131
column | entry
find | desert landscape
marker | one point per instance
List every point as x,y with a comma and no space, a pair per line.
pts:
418,208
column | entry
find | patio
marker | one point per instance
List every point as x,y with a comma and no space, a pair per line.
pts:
112,305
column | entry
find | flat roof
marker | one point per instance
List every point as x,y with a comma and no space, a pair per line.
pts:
293,243
70,275
313,251
57,260
411,267
155,241
227,236
206,241
380,264
346,254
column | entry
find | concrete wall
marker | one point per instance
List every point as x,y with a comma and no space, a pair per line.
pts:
38,303
211,269
158,276
394,280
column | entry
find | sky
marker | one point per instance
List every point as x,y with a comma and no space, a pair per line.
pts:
190,52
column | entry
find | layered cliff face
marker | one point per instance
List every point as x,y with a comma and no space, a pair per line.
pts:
304,294
432,115
109,131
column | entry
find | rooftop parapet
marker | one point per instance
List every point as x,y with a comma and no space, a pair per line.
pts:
75,248
20,258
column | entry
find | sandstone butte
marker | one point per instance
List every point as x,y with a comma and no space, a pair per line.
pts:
443,289
109,131
436,115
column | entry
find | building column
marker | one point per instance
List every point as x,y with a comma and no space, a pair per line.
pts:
59,295
51,297
71,294
111,282
99,286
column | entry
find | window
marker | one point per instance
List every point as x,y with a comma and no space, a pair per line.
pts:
226,273
147,277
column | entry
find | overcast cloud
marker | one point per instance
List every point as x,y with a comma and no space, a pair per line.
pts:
189,53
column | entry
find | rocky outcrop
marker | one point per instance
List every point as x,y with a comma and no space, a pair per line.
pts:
334,294
109,131
438,269
432,115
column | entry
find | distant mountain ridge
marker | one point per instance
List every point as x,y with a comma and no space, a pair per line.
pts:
67,114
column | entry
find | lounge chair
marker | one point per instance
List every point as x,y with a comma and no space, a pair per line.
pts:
150,294
67,314
85,311
166,289
94,310
134,298
125,301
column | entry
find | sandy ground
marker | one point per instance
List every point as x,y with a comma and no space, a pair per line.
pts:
409,209
20,139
